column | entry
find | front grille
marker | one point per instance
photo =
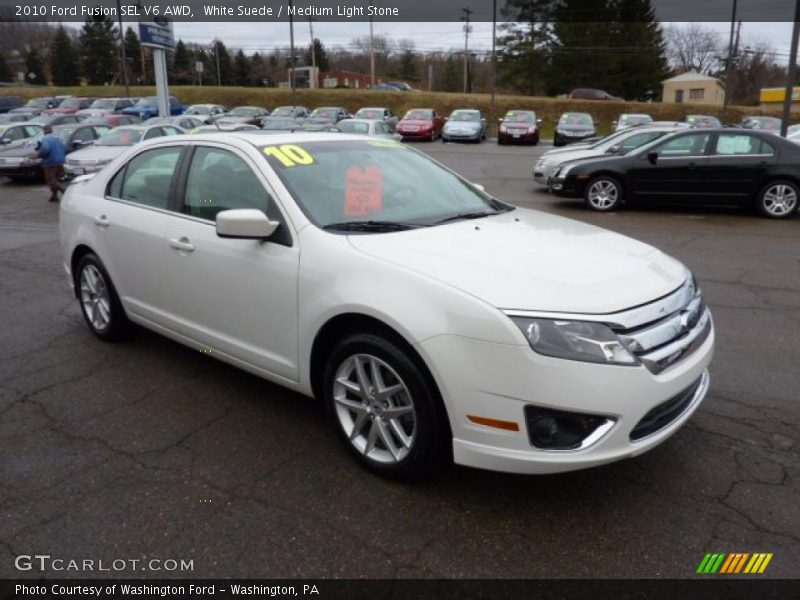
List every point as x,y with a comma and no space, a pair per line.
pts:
665,413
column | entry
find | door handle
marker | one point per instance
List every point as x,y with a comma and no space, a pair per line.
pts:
102,221
182,244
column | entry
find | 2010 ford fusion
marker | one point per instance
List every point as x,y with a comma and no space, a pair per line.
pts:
434,321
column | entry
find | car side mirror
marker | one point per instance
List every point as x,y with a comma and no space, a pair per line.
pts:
245,223
615,149
652,157
478,186
4,142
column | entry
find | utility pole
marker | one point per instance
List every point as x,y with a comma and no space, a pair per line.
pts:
292,81
122,53
729,64
313,45
216,54
492,115
371,51
467,12
792,75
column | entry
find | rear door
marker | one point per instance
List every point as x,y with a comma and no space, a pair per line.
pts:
737,166
678,173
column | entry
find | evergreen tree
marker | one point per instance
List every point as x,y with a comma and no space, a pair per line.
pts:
181,61
98,40
34,67
523,44
64,60
133,54
225,66
408,66
320,55
258,67
450,75
243,75
5,72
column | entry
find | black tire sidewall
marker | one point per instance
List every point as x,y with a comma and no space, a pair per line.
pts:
763,191
118,324
594,180
433,444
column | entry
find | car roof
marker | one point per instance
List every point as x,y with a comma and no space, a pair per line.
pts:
373,108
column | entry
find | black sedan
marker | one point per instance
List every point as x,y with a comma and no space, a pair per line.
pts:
713,166
14,161
574,127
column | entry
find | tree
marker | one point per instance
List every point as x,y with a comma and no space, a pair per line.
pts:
450,75
259,69
242,70
182,65
99,50
34,67
408,66
754,68
133,54
224,61
692,48
5,72
523,44
320,55
64,60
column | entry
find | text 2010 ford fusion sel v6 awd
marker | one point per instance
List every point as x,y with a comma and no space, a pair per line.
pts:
435,322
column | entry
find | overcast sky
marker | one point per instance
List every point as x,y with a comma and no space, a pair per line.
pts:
426,36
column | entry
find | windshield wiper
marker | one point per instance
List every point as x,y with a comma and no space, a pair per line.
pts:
468,215
371,226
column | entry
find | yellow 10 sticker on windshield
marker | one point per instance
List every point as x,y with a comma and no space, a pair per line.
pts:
290,155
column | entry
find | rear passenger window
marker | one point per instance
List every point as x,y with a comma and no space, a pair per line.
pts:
220,180
729,144
148,178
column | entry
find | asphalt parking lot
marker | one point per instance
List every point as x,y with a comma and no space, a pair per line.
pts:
149,449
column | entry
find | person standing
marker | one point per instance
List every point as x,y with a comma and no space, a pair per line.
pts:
53,153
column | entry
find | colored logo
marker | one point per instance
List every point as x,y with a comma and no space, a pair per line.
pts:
735,562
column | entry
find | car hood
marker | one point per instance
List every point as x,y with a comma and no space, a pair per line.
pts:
17,149
97,112
576,154
98,152
529,260
415,122
574,127
469,125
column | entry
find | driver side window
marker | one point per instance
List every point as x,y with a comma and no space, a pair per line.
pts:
686,145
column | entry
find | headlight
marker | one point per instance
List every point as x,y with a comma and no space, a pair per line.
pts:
575,340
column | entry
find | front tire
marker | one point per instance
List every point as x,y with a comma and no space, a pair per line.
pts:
778,199
99,301
385,408
603,193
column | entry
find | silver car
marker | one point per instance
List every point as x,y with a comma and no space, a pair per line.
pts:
627,120
373,127
378,112
93,158
464,124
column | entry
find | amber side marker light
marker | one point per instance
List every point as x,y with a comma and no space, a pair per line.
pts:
506,425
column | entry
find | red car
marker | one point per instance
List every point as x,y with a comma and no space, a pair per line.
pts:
420,123
520,126
593,94
70,106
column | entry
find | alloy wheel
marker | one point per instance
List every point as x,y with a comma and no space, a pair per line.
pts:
779,200
374,408
603,194
95,297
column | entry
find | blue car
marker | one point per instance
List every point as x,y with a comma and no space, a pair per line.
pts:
147,107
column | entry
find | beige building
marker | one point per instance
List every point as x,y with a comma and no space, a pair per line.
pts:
693,88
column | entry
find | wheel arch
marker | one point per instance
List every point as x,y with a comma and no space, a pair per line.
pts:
613,174
78,253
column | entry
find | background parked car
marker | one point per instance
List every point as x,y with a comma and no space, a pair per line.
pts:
400,85
13,118
8,103
276,123
147,107
15,164
593,94
53,120
36,106
223,128
770,124
12,134
626,120
185,122
703,121
519,126
572,127
379,112
111,120
93,158
465,124
373,127
69,106
420,123
207,112
106,106
384,87
291,112
328,115
251,115
710,166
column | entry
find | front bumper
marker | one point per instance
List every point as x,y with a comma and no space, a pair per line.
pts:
501,380
565,137
508,137
469,136
419,134
73,170
566,186
21,171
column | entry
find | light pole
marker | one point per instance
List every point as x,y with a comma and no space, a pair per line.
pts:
291,54
729,64
494,59
467,12
371,52
122,53
792,75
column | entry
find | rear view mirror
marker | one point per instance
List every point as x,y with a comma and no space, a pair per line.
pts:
245,223
652,157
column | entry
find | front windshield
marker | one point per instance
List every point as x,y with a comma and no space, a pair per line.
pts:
764,123
198,109
61,134
121,136
281,124
576,119
520,117
418,114
633,120
70,103
324,112
370,113
107,103
283,111
38,102
465,115
353,181
148,102
243,112
353,127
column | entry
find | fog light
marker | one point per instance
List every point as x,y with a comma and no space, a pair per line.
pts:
562,430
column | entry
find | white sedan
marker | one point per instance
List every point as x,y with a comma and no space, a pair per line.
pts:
434,321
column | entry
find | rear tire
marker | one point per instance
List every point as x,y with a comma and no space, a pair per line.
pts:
778,199
603,193
99,301
401,434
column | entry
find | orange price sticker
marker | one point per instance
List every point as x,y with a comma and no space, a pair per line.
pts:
363,191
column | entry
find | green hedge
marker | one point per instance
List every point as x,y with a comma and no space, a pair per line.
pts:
548,109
